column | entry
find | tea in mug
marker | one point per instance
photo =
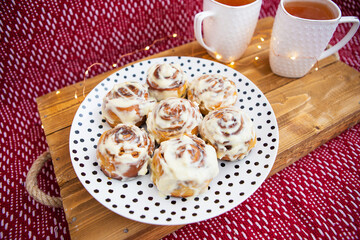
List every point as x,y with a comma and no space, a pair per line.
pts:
310,10
235,3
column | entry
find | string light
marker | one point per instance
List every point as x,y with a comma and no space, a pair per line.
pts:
295,57
174,35
86,73
57,92
114,65
262,38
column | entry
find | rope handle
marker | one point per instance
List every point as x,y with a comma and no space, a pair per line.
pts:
32,183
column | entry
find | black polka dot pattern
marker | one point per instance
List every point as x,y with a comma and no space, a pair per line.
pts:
139,199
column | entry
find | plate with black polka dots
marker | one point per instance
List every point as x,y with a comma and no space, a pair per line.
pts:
139,199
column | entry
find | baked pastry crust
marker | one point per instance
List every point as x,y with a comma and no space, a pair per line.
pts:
184,166
212,92
123,152
127,102
166,80
173,117
230,131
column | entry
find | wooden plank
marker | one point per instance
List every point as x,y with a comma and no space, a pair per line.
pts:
309,111
51,104
314,109
82,210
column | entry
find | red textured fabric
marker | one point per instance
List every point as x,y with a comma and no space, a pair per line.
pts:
317,197
48,45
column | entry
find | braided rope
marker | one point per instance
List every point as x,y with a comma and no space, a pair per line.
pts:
32,183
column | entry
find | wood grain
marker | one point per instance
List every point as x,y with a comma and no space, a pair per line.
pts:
310,111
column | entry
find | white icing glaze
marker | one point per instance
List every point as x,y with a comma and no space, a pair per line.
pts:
229,130
173,116
165,73
127,139
118,102
160,94
143,170
165,80
212,91
179,167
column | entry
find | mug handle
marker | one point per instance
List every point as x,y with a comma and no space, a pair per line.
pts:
345,39
199,18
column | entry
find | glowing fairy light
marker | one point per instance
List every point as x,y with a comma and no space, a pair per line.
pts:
86,73
316,68
114,65
117,63
293,58
57,92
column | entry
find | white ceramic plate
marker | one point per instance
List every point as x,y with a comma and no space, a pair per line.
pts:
139,199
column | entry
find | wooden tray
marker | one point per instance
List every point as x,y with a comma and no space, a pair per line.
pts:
310,111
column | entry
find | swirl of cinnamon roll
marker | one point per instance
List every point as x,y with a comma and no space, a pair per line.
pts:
123,152
183,166
230,131
212,92
173,117
166,80
127,102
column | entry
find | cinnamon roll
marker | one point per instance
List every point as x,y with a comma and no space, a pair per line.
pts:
127,102
123,152
212,92
173,117
184,166
230,132
166,80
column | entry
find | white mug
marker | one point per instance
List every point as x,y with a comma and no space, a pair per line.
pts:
297,43
227,30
